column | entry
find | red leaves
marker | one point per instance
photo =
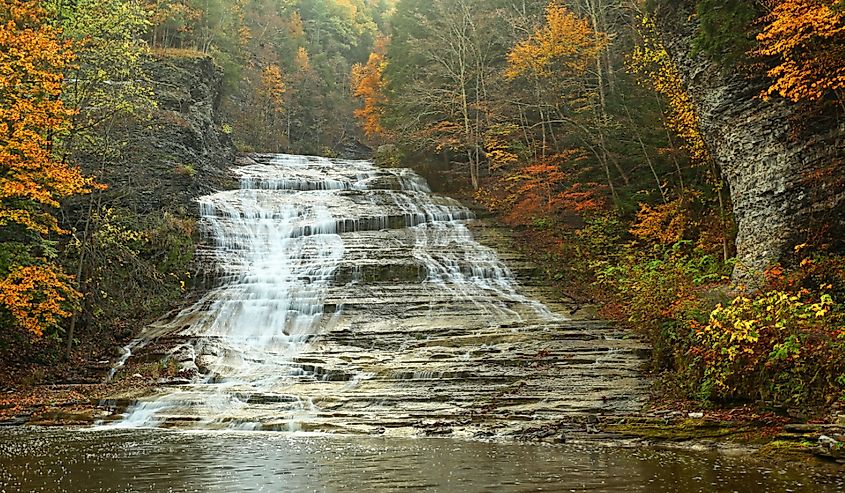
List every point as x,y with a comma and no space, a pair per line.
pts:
542,190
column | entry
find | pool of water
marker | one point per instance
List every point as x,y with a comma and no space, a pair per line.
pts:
178,461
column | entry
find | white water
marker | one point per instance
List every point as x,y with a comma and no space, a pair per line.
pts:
277,244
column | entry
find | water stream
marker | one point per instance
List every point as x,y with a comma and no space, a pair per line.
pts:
278,245
357,310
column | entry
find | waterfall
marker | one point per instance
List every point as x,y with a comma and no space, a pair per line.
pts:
298,229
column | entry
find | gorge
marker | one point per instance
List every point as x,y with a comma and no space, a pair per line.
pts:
445,245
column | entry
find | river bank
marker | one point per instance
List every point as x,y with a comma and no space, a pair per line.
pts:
733,432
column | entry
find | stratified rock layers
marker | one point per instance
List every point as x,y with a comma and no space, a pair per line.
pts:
352,299
776,180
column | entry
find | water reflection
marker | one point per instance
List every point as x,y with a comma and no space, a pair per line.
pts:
155,460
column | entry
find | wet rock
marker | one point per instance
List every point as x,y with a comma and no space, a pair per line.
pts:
380,308
174,381
827,442
184,354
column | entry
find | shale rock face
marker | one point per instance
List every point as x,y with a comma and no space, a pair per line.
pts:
350,298
770,173
183,151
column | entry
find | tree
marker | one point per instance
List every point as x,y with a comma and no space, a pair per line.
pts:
564,46
806,38
555,59
368,84
442,71
273,88
651,60
33,59
107,87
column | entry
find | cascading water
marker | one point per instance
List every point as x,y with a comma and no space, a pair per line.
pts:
351,298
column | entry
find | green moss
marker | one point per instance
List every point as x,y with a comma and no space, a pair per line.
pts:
725,29
786,449
689,429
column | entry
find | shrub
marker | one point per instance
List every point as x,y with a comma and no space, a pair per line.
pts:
777,346
661,292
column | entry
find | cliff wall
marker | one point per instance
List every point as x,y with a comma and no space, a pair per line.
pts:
185,150
771,173
140,236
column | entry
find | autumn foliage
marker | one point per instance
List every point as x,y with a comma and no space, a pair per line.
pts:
368,84
543,190
807,40
37,297
273,87
652,62
32,60
565,43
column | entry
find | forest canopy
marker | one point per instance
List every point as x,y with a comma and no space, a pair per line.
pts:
572,121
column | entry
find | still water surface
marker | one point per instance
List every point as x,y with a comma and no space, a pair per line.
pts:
165,461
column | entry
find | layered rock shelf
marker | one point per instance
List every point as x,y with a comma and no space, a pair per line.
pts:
351,299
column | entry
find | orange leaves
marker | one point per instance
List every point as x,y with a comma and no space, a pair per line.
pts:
543,189
32,59
565,43
37,297
807,37
444,134
368,84
664,224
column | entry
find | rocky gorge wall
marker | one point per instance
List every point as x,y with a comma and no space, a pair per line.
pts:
769,171
139,234
184,150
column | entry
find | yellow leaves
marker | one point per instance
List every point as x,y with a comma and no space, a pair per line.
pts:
565,44
498,144
652,61
807,37
739,328
37,297
302,61
296,27
273,87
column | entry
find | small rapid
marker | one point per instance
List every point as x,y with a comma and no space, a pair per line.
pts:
296,251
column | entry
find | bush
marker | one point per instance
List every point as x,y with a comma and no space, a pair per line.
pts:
779,347
662,291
